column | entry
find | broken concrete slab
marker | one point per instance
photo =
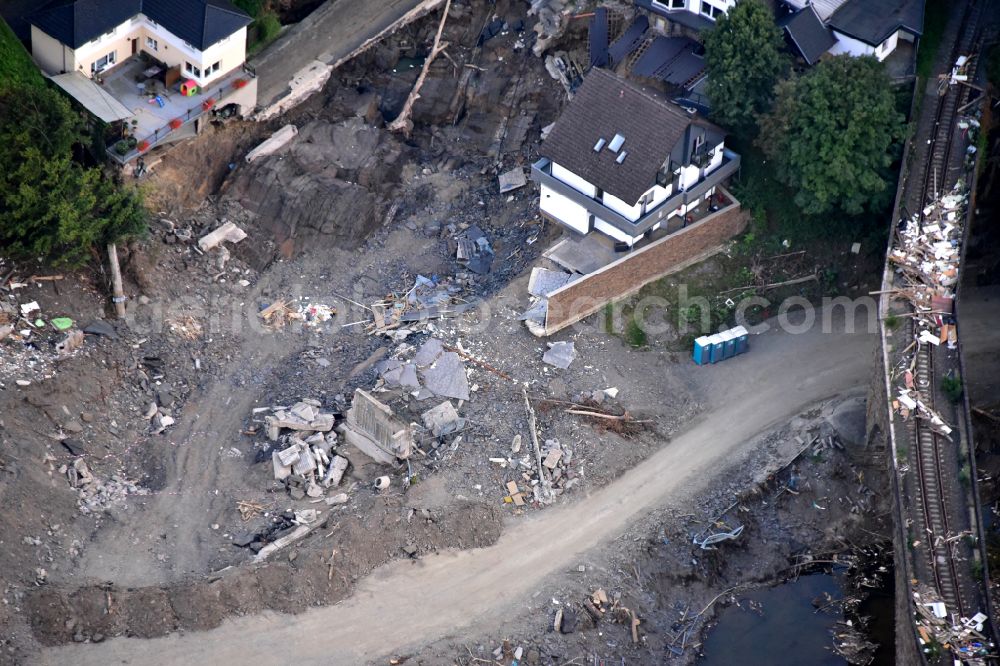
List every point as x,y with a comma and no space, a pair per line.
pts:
290,455
560,354
512,180
305,463
429,352
227,232
446,377
335,473
544,281
372,427
273,144
281,470
443,419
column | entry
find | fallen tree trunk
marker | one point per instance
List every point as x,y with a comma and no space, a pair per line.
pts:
402,123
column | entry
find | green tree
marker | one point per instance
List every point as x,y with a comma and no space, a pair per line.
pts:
832,135
743,60
50,205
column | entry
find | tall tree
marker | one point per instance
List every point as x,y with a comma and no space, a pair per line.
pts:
50,205
832,135
743,59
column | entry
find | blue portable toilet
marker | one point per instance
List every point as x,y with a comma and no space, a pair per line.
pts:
717,347
729,343
702,351
742,339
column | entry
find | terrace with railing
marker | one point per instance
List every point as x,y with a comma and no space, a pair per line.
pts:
162,112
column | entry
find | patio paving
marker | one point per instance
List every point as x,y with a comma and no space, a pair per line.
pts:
122,84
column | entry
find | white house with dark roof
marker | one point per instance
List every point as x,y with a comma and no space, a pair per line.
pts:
812,27
621,161
866,27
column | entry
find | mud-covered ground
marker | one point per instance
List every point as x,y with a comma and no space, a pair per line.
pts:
346,215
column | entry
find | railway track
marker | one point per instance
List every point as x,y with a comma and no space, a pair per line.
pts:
936,456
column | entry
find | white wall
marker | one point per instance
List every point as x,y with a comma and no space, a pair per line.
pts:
690,175
850,46
230,53
614,232
632,213
883,50
573,180
716,159
564,209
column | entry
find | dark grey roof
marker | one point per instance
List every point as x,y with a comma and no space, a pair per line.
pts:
201,23
872,21
807,33
606,105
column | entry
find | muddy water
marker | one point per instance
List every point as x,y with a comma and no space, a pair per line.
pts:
777,626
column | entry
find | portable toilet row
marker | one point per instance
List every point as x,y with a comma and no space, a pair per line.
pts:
718,347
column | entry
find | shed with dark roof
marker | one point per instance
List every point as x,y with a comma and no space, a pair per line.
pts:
874,21
806,33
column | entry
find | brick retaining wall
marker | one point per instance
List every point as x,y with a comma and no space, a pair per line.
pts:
627,275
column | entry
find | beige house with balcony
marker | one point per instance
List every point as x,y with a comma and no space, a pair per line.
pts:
204,38
150,69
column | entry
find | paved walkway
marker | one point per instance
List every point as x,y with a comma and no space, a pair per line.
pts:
331,34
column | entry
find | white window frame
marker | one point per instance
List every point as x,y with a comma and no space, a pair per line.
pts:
109,60
192,70
152,43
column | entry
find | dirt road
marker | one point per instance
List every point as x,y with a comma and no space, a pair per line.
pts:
408,603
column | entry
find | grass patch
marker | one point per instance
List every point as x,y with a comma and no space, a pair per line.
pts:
17,69
265,29
635,335
965,475
935,18
892,321
609,318
952,388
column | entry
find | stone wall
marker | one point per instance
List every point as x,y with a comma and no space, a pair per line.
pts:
621,278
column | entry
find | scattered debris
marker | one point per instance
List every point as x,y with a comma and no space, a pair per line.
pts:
560,354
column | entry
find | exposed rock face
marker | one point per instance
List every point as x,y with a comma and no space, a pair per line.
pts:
330,179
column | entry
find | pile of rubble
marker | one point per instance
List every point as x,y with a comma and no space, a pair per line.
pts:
284,311
306,462
434,371
926,255
940,629
283,529
429,298
97,495
26,334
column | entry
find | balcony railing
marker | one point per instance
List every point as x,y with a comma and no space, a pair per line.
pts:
541,172
227,87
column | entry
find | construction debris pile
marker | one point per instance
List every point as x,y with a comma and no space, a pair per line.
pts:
926,254
597,607
306,461
283,529
428,298
27,334
284,311
97,495
941,630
